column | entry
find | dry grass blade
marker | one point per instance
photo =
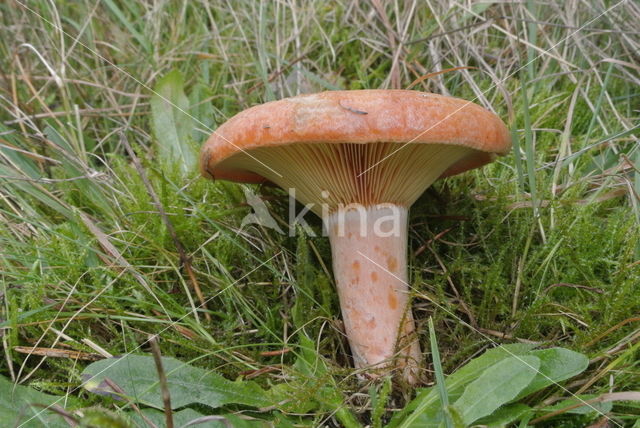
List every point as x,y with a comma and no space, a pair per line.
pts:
162,376
611,330
97,112
437,73
133,405
57,353
251,374
394,73
274,75
275,353
502,335
68,417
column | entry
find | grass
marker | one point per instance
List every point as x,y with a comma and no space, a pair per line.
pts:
542,245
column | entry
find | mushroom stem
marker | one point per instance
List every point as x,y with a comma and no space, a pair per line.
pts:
369,246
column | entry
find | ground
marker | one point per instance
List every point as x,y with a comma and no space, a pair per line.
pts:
108,234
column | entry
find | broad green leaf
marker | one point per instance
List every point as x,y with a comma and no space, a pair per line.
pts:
473,368
18,407
505,416
103,418
427,400
497,385
430,416
556,365
136,375
172,123
456,417
183,417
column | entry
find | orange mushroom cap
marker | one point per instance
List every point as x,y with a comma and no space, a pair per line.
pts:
361,117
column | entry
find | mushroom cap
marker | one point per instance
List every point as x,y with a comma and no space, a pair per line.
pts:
360,117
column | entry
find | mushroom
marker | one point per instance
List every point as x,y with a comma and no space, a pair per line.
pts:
360,159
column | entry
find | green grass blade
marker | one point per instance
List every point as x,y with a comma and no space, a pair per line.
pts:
437,368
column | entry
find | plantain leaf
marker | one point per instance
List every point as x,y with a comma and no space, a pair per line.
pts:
23,406
189,417
556,365
497,385
172,123
136,375
505,415
427,402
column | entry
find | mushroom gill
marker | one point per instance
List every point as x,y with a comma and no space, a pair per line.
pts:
339,174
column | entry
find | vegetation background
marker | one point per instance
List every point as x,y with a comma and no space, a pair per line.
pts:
108,235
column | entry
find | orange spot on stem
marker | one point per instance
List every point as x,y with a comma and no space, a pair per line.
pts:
392,263
393,301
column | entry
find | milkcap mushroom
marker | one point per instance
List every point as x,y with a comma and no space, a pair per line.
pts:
360,159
